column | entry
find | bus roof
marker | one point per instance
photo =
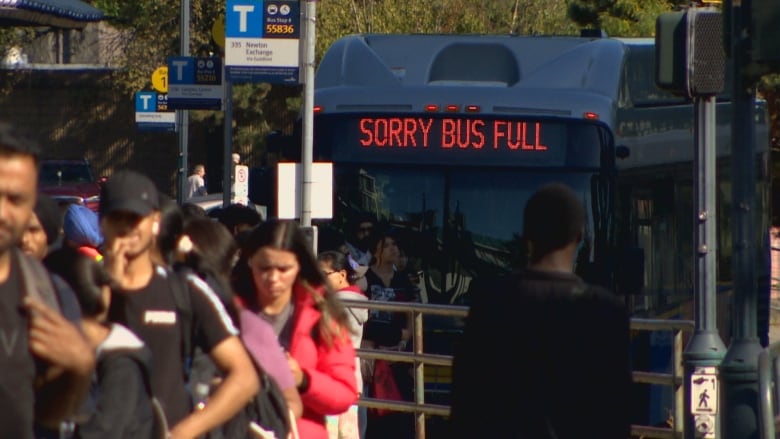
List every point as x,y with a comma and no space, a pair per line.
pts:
501,73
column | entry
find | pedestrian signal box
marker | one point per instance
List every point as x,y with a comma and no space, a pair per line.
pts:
690,59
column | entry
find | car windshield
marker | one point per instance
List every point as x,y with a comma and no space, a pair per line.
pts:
57,173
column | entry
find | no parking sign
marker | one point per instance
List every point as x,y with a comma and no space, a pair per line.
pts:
241,185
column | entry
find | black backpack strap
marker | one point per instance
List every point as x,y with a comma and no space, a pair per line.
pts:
177,280
36,280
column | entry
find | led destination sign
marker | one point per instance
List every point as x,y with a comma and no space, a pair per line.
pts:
458,140
456,133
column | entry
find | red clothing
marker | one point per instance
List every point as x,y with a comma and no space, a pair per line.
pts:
331,369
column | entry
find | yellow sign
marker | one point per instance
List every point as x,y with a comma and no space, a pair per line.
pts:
160,79
218,31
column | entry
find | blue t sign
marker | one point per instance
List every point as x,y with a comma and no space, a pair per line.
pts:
145,102
181,70
244,18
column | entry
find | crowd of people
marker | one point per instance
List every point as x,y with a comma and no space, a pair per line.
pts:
150,319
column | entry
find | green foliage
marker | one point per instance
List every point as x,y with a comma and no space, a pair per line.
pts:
337,18
625,18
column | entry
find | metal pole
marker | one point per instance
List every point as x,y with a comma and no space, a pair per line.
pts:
227,163
307,148
705,350
183,116
740,367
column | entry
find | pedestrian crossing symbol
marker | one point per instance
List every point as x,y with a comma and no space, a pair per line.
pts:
704,390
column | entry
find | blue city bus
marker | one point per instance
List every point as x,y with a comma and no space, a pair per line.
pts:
446,136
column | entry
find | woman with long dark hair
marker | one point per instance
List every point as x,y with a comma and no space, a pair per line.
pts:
288,290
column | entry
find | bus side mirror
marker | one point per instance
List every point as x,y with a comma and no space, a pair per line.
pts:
630,276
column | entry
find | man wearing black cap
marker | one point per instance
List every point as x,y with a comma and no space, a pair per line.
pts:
556,348
45,360
129,213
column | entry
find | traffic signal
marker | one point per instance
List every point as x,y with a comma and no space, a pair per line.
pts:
690,59
670,51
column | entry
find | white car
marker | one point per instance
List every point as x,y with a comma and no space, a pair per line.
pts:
212,202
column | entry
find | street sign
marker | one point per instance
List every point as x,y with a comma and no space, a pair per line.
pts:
195,83
704,390
160,79
241,185
152,113
262,41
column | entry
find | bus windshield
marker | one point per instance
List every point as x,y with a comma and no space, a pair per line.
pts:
453,224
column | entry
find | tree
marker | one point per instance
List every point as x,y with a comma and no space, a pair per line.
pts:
625,18
337,18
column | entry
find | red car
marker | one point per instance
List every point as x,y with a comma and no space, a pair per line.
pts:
70,181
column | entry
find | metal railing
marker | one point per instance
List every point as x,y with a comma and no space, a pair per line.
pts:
419,359
768,393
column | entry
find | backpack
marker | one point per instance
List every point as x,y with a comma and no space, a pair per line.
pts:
37,281
268,408
39,284
160,423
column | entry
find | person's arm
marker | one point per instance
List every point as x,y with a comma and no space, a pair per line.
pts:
71,361
331,387
234,392
215,333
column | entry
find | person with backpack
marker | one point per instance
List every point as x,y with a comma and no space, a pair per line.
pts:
145,301
287,289
46,361
123,406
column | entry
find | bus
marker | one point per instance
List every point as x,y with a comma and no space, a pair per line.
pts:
446,136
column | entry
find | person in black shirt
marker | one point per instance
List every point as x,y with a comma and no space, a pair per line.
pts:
390,331
45,360
144,302
555,348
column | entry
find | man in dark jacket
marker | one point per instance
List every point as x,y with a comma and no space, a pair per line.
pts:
544,355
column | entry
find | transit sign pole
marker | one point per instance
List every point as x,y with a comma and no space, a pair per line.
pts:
183,116
740,366
307,147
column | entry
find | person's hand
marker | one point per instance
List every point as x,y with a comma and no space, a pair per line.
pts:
56,340
295,368
115,259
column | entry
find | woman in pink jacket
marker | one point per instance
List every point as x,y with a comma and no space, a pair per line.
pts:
288,290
